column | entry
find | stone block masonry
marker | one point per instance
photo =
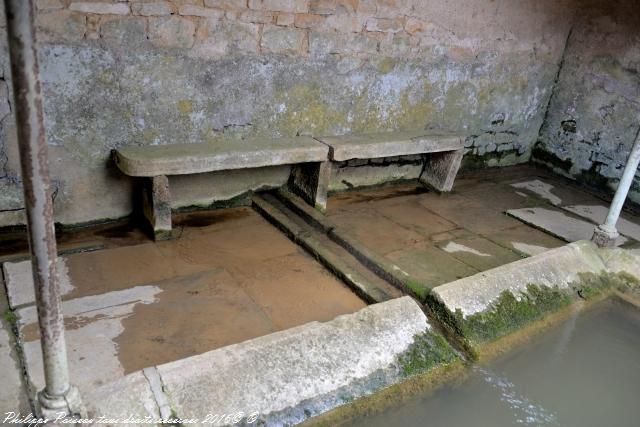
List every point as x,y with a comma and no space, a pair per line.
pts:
594,114
118,73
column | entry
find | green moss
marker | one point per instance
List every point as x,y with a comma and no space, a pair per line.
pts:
10,317
509,313
591,285
539,154
426,352
416,288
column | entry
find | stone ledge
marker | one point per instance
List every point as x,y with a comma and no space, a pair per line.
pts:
291,375
483,309
557,267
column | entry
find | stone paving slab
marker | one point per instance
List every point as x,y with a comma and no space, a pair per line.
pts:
126,397
112,334
598,213
479,253
526,240
12,396
473,215
390,144
376,231
91,326
428,265
181,159
19,280
558,224
136,306
498,197
554,191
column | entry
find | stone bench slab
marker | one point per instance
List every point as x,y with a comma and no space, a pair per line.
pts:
390,144
185,159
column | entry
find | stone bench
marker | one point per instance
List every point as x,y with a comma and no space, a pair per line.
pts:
306,155
445,151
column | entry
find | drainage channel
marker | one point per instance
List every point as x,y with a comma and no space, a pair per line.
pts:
371,277
338,260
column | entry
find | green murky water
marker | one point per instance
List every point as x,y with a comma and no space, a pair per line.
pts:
585,373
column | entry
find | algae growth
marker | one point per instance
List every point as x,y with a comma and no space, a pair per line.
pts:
509,313
426,352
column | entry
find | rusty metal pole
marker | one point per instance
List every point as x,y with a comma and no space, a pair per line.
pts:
58,395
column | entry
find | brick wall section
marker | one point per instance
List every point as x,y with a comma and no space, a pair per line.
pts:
297,27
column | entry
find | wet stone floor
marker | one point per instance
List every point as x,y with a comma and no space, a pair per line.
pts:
229,275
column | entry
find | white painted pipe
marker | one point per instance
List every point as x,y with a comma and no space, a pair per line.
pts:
609,227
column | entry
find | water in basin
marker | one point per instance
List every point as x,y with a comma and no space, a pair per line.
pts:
584,373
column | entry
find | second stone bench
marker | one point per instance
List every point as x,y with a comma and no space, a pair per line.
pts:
443,152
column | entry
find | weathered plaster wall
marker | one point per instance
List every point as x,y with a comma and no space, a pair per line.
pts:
117,73
594,113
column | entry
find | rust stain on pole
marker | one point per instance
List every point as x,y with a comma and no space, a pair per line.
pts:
37,198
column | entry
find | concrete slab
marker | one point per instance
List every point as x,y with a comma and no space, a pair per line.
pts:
556,267
390,144
558,224
598,213
19,279
182,159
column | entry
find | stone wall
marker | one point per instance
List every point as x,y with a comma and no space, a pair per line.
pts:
594,114
157,72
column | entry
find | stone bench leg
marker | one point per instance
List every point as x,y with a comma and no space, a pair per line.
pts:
156,200
311,182
440,169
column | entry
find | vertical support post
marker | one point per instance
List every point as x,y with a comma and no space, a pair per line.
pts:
156,200
440,169
311,182
605,235
58,396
